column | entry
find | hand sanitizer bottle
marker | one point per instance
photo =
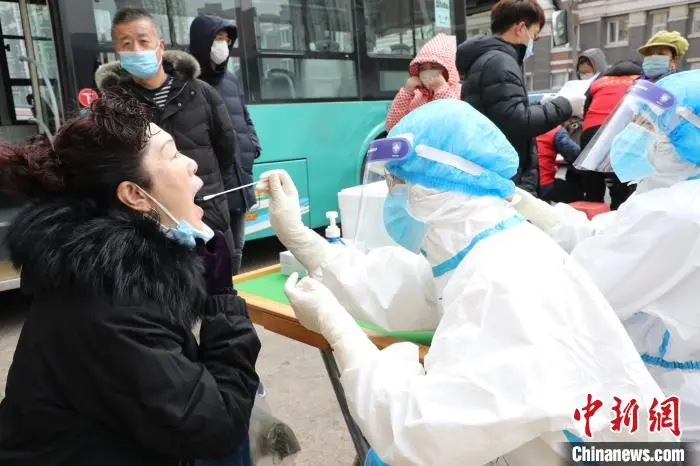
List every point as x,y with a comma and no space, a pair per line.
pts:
332,232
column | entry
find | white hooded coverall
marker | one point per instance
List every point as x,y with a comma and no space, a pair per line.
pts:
645,258
523,337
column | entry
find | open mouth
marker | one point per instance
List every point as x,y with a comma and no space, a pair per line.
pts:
196,184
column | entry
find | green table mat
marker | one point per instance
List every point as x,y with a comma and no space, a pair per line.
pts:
271,286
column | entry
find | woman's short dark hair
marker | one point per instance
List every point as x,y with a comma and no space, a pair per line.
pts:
89,157
507,13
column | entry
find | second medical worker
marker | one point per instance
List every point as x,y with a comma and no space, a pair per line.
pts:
645,256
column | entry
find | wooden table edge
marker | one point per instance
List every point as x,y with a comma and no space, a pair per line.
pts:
279,318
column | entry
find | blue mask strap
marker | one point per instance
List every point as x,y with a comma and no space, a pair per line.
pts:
453,262
660,361
160,206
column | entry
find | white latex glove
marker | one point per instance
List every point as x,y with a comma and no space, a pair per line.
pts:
541,214
547,97
577,103
305,244
319,311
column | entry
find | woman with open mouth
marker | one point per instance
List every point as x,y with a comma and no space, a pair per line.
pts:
119,264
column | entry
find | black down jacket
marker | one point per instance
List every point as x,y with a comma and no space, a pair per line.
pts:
107,371
196,117
493,82
202,33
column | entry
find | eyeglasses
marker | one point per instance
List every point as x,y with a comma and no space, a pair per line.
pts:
391,180
643,120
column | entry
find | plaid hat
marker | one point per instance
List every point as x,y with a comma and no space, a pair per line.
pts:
672,39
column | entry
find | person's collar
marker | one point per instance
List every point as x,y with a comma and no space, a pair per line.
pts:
154,82
104,249
518,48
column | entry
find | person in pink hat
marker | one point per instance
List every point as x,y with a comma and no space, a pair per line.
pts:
433,76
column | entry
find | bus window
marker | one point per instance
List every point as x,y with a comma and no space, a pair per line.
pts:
390,30
279,25
330,24
173,17
392,80
278,84
388,24
282,25
319,78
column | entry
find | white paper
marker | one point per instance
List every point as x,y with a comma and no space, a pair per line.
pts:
575,87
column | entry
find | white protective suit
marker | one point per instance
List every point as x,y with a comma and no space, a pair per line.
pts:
645,258
523,337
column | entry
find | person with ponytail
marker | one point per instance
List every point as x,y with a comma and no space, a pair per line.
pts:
119,266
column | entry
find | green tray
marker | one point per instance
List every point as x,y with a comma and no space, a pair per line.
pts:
271,286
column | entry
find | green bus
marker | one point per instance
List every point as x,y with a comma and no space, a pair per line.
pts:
319,76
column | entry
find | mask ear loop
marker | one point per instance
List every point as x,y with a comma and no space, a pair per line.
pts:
160,206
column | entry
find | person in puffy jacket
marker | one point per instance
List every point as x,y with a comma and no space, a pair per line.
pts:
559,142
602,98
433,75
119,265
493,82
211,39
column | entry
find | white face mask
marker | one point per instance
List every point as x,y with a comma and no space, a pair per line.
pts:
586,76
219,51
427,75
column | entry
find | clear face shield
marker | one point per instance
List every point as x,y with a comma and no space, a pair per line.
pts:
646,114
385,217
378,185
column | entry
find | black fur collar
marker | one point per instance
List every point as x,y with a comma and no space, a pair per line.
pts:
77,246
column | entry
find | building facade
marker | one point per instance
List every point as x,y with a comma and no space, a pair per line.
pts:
617,27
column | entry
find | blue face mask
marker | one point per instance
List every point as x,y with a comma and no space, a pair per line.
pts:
656,65
628,153
530,50
186,235
142,64
402,227
183,232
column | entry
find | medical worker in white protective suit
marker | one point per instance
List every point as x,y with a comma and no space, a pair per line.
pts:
523,334
645,257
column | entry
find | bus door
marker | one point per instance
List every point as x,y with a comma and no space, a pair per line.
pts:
30,92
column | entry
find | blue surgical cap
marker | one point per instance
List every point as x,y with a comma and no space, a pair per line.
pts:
685,136
456,127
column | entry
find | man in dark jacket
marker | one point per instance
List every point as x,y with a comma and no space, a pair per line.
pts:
211,39
189,109
493,82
